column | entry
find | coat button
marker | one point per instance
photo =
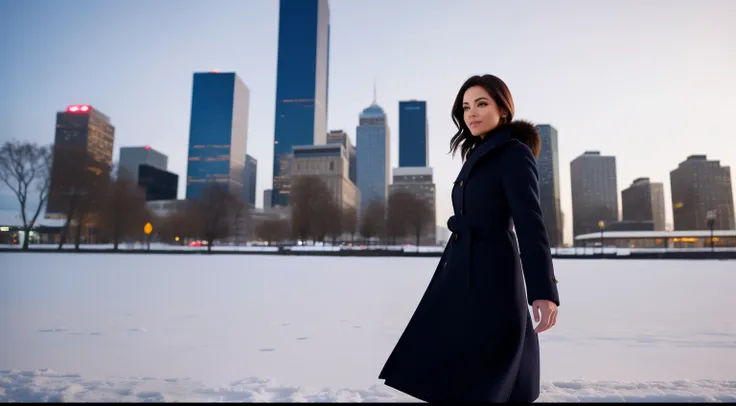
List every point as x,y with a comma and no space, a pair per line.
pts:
461,212
461,182
456,236
444,265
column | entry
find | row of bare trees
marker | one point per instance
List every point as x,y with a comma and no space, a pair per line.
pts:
217,215
105,208
405,215
316,215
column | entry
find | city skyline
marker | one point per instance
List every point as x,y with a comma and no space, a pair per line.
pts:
573,92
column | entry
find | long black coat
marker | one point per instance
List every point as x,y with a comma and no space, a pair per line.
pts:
471,338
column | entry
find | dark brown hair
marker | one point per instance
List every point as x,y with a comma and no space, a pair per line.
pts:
500,93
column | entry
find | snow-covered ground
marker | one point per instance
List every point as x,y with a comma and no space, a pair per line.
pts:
277,328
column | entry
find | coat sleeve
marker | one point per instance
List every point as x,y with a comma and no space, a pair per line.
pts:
521,186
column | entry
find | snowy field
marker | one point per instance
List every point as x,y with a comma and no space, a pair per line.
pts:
106,327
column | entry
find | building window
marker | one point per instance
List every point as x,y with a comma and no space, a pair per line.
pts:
332,166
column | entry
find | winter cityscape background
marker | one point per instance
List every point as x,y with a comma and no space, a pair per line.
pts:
298,125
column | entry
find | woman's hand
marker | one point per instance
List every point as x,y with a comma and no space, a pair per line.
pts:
548,318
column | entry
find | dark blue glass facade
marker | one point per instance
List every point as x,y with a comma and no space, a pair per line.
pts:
158,183
217,132
413,134
301,85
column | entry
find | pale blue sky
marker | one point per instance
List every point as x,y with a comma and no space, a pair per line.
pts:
648,81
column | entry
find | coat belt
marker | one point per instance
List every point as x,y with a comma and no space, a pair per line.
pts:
484,227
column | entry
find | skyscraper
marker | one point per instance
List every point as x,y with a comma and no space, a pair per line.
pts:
250,174
218,132
373,141
301,85
413,134
643,201
698,186
594,191
83,141
132,157
341,137
549,183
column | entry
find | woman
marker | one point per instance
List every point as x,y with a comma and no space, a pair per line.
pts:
471,339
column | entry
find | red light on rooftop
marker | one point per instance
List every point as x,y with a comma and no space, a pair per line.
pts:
147,147
215,71
78,108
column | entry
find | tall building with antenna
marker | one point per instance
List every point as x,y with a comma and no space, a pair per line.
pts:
373,157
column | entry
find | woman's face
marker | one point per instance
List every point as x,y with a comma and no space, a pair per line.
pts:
480,111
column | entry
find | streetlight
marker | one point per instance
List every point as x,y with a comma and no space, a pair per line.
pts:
148,228
602,226
711,217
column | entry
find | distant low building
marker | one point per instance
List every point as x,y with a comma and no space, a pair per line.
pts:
419,182
45,231
165,208
330,163
630,225
658,239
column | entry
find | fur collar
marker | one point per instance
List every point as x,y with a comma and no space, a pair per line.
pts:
521,130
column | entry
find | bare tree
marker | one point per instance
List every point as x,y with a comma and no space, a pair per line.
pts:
332,218
87,213
241,219
78,183
373,220
408,215
273,230
397,225
177,227
216,213
311,205
350,222
26,167
123,212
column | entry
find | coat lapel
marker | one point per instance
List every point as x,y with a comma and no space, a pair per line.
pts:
482,150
